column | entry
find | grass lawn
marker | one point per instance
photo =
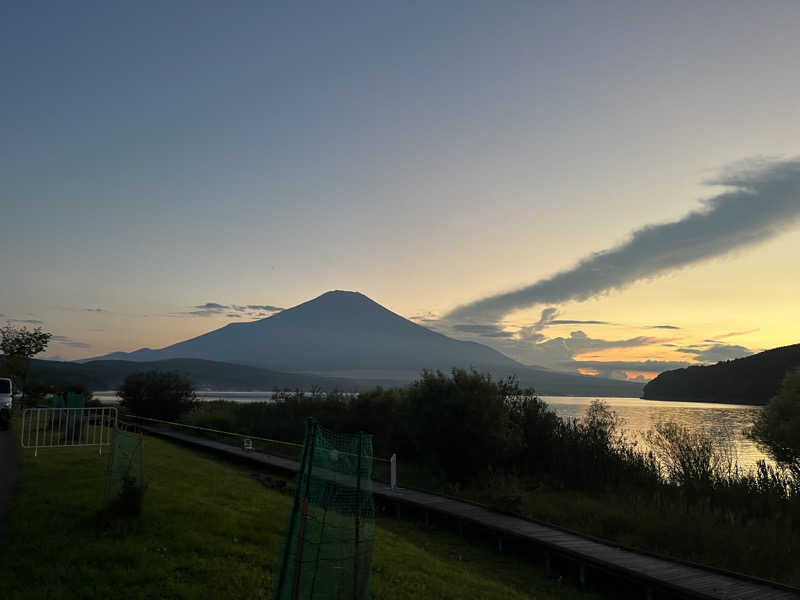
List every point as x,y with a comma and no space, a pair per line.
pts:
209,529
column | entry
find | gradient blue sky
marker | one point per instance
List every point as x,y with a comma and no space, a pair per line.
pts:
158,156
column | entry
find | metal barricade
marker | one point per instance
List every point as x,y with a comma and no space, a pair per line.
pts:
67,427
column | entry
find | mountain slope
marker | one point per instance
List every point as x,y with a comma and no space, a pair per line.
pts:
750,380
347,334
336,331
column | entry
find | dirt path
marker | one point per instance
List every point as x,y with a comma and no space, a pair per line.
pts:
9,470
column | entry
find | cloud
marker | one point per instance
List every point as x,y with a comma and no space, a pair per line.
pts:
62,339
576,322
557,353
548,318
664,327
261,307
233,311
491,331
98,310
649,366
735,333
716,352
762,201
28,321
211,306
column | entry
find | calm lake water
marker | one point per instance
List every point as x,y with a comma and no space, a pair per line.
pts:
639,416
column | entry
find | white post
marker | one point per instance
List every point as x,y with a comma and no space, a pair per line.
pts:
393,474
36,451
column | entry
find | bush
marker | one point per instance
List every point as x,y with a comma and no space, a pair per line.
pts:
157,394
462,423
777,427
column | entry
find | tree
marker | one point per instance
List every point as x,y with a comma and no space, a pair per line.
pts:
157,394
777,427
19,345
462,423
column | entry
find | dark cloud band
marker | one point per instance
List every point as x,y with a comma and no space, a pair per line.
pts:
763,200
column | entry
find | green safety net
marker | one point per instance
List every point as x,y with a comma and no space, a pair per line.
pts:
124,465
75,400
327,552
57,401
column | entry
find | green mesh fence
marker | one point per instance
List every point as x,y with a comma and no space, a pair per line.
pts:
327,553
124,465
75,400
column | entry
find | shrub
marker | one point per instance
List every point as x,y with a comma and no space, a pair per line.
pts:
777,427
461,423
157,394
693,460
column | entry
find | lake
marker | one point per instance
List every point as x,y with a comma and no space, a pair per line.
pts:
639,415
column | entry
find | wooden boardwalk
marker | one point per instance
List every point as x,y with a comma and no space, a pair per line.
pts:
658,576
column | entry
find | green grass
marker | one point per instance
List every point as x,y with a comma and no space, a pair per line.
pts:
210,530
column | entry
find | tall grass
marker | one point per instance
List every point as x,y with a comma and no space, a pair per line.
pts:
681,493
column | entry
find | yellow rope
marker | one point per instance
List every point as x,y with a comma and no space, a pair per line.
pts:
230,433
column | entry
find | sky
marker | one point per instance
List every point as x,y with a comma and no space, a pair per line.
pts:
604,187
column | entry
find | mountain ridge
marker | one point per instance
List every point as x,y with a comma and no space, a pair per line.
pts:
342,332
750,380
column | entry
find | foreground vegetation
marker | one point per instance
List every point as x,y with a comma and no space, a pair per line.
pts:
210,529
467,435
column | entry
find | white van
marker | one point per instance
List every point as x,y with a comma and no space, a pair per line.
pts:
5,402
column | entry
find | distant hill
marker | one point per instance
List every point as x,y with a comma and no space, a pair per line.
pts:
205,374
341,333
750,380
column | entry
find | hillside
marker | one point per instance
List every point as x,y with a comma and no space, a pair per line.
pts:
347,335
109,374
336,331
751,380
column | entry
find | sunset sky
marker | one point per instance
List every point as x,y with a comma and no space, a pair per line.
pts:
166,168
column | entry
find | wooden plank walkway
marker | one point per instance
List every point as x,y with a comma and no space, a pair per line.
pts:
654,573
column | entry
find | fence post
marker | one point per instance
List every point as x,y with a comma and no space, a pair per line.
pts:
36,451
393,472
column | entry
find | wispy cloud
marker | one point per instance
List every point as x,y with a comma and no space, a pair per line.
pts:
490,331
27,321
651,366
548,318
233,311
716,353
261,307
664,327
763,200
735,333
95,310
532,348
62,339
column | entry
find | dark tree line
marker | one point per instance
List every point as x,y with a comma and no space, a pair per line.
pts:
750,380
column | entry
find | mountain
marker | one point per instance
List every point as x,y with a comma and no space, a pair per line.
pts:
205,374
336,331
750,380
347,334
